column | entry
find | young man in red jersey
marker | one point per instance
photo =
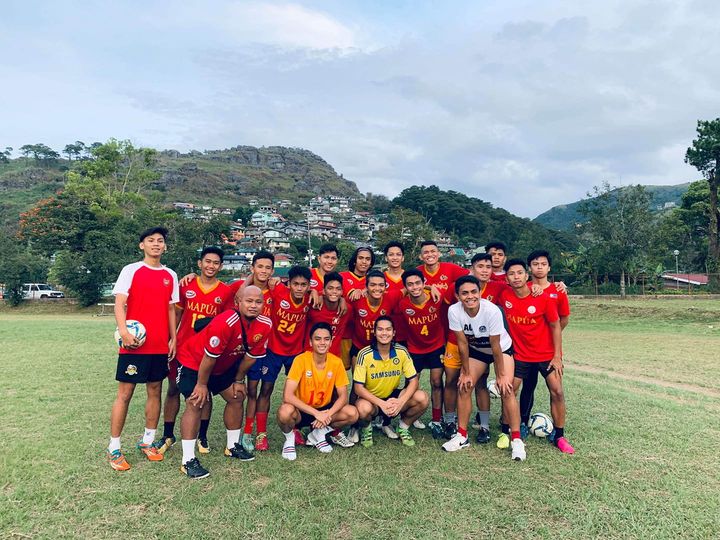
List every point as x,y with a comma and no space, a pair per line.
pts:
534,325
482,340
354,281
498,252
426,338
394,258
539,262
316,395
215,361
330,312
203,297
145,291
289,317
328,256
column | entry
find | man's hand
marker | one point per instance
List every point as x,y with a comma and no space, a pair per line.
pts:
535,289
557,364
435,293
465,382
355,294
561,287
238,388
342,307
505,385
315,299
390,407
322,419
200,395
128,340
185,281
272,282
172,348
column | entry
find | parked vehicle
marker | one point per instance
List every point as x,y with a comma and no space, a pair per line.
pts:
32,291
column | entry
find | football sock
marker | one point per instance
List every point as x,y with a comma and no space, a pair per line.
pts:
462,432
233,436
449,417
114,444
335,432
514,435
204,424
403,425
559,432
188,448
290,438
149,436
249,422
436,415
261,422
525,420
505,428
168,430
484,419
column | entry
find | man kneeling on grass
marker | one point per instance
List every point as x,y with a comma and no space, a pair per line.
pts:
216,360
378,373
314,378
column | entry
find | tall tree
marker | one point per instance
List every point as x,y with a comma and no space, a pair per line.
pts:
704,155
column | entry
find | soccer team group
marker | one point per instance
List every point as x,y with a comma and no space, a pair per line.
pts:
384,327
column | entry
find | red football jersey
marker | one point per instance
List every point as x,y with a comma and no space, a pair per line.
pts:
235,285
338,323
352,282
493,289
393,285
563,302
317,282
222,339
364,317
444,277
149,291
527,320
426,326
198,303
498,277
289,322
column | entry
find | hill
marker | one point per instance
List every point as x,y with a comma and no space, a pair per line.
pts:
564,216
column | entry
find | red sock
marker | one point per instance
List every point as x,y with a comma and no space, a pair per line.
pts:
514,435
463,432
261,418
249,421
436,415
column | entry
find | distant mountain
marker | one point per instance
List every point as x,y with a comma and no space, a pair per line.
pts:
564,216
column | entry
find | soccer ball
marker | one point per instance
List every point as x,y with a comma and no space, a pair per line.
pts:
492,388
541,425
136,328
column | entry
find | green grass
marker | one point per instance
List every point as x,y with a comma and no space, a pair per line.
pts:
646,462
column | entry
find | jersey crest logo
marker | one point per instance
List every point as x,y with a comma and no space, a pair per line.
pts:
329,375
190,294
218,300
166,282
482,329
410,311
396,360
432,309
508,304
443,277
284,304
313,283
257,337
131,370
308,374
268,301
305,309
336,321
383,312
214,341
531,309
489,298
264,370
362,313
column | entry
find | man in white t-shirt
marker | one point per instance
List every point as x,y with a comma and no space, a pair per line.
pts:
482,340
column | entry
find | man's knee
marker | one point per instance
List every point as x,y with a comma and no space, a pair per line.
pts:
286,413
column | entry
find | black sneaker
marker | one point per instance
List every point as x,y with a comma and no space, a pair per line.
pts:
193,469
483,436
238,452
450,429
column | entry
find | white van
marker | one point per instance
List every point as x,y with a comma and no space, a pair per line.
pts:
32,291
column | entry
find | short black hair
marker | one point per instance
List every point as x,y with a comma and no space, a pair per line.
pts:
537,254
462,280
154,230
496,245
299,271
410,273
392,244
320,326
515,262
263,255
328,248
480,257
214,250
376,274
353,260
332,276
428,243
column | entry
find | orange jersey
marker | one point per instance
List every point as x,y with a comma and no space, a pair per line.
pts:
426,326
198,303
316,386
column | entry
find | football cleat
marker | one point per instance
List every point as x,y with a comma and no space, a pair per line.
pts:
450,429
341,440
458,442
117,460
366,436
247,442
389,432
192,469
405,436
419,424
238,452
150,451
299,439
164,444
503,441
353,435
483,436
261,442
203,446
564,446
524,431
436,430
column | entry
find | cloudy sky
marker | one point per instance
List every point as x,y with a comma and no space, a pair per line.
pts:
525,104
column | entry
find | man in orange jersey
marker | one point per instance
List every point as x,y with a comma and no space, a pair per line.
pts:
316,395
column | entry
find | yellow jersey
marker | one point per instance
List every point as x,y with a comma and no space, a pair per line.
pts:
379,376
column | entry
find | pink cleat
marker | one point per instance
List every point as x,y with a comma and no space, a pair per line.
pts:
564,446
299,439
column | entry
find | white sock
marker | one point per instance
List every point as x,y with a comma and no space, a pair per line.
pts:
403,425
233,436
188,448
288,451
114,444
290,437
149,435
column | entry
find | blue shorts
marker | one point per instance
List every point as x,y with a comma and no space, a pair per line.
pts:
267,369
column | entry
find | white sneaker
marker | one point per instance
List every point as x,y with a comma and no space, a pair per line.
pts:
458,442
317,438
518,450
353,435
389,432
341,440
418,424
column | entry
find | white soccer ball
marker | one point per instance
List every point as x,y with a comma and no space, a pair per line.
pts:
541,425
493,389
136,329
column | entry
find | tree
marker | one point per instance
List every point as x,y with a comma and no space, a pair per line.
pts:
411,229
704,155
18,266
5,155
243,214
74,149
40,152
618,228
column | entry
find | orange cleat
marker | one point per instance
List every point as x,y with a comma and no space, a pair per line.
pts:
118,461
150,452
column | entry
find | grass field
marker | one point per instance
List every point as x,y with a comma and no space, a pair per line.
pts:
643,391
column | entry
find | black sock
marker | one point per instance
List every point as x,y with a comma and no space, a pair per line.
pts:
559,432
203,429
525,420
168,429
505,428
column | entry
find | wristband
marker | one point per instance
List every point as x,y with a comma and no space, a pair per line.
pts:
240,382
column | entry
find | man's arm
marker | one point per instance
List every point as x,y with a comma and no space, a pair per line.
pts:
129,341
556,362
564,322
464,379
504,380
172,327
290,398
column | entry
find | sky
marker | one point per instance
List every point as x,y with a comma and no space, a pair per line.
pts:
525,104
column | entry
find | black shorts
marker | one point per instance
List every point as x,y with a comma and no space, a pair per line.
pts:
141,368
524,370
187,379
307,419
353,351
431,360
488,358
